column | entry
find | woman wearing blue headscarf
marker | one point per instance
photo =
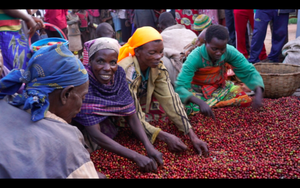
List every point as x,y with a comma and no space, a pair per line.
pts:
37,141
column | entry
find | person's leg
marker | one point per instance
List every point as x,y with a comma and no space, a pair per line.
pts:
279,34
229,19
262,18
240,21
52,33
248,32
298,24
49,33
263,54
65,31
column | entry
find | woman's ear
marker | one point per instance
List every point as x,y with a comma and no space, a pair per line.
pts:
65,94
136,52
90,60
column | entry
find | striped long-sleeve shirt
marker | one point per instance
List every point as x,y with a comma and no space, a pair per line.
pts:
159,86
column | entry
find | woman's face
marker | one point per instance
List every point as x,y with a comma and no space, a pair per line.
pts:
104,65
150,54
216,48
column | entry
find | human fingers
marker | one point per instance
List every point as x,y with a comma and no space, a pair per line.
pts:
179,146
150,166
209,113
182,146
144,168
256,105
213,115
31,32
153,166
143,163
159,159
198,149
205,150
200,152
204,112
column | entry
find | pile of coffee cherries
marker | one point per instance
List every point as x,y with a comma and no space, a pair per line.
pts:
243,143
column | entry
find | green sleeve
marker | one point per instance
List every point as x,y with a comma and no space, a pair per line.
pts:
184,78
243,69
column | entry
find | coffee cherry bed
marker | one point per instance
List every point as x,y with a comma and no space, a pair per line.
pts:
243,143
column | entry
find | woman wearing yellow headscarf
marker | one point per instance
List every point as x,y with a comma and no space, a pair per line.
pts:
138,38
151,89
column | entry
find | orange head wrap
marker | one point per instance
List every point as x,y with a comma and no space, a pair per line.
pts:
141,36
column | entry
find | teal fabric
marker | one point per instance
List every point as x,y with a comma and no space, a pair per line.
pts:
199,58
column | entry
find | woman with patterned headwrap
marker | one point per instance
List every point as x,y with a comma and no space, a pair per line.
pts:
36,139
108,99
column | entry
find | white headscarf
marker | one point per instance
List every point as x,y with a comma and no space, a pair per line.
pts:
104,43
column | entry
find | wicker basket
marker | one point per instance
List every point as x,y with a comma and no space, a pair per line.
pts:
281,80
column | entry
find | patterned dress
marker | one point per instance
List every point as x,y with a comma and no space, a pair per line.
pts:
13,43
186,17
202,78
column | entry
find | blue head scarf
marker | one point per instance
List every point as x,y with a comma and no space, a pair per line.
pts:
50,68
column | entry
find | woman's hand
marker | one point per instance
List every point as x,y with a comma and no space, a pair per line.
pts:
39,22
200,146
174,143
206,110
33,25
155,155
145,163
204,107
257,102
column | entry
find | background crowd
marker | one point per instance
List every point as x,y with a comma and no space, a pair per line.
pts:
247,32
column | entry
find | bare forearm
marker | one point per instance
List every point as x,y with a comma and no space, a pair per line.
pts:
109,144
258,90
192,135
194,100
138,130
17,14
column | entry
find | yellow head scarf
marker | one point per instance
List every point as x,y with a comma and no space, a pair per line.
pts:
141,36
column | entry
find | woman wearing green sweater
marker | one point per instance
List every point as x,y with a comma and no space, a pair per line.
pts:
202,83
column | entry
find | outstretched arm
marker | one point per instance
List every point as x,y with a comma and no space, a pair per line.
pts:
145,163
204,107
257,102
30,22
138,130
172,105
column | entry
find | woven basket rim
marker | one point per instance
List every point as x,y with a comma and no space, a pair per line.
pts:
277,74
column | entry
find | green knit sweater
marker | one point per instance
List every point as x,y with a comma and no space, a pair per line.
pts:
199,58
